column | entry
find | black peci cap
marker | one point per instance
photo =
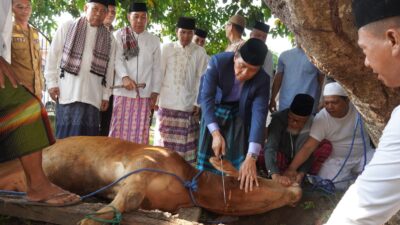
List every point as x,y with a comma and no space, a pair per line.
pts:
261,26
368,11
138,7
254,51
302,105
186,23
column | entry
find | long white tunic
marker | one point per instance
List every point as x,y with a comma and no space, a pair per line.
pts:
85,87
145,68
182,69
6,29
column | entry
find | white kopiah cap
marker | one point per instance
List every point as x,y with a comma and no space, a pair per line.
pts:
334,89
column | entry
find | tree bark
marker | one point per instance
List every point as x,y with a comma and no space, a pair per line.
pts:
329,37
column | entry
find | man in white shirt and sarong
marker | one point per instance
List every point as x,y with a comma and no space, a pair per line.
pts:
137,62
79,70
183,63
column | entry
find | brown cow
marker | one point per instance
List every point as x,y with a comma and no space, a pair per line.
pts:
85,164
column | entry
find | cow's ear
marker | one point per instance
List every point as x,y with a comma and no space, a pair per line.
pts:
227,166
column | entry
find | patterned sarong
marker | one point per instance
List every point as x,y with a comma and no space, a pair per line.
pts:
77,119
131,119
177,130
24,125
233,130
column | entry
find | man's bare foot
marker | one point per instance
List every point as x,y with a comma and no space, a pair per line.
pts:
51,194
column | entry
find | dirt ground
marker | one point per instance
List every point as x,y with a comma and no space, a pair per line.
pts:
314,208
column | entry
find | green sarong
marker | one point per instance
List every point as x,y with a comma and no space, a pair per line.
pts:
24,125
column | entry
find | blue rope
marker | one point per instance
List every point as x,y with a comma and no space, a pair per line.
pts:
12,193
192,185
327,185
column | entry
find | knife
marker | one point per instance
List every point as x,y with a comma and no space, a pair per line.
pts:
223,180
140,85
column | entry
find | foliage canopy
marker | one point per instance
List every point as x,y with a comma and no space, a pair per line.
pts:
210,15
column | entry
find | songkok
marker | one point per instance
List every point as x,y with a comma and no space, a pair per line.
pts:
104,2
334,88
200,33
253,51
368,11
138,7
261,26
302,105
111,2
186,23
238,20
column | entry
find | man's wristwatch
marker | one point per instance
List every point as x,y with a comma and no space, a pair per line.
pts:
253,156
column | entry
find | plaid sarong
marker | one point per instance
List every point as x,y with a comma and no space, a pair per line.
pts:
24,125
177,130
129,43
234,132
131,119
75,45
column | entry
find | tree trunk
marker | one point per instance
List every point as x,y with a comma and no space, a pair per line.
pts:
329,37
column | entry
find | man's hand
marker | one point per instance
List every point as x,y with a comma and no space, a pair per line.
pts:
248,174
128,83
299,177
153,100
291,174
218,143
104,105
196,111
272,105
54,93
6,71
285,181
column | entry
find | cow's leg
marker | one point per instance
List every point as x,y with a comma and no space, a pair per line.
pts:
128,198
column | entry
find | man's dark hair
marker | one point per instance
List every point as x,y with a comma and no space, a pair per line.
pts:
238,28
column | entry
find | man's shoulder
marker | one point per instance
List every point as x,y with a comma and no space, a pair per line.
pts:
223,56
151,37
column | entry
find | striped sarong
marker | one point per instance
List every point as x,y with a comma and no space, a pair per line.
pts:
234,132
131,119
177,130
24,125
77,119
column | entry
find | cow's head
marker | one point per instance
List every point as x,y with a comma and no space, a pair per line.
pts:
268,195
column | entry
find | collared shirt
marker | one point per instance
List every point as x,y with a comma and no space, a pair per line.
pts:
6,29
26,58
84,87
182,68
233,47
299,76
144,68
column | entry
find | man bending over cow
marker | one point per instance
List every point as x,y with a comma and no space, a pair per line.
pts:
234,102
287,133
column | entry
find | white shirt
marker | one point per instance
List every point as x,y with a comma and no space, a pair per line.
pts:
339,131
182,69
85,87
145,68
6,29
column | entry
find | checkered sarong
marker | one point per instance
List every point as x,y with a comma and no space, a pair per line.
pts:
177,130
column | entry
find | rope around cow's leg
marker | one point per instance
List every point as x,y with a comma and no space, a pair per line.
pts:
116,220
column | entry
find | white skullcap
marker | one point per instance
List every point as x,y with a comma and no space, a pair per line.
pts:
334,88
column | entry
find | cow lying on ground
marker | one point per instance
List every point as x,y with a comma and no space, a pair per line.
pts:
85,164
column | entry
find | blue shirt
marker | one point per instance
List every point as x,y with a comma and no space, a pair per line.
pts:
299,76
